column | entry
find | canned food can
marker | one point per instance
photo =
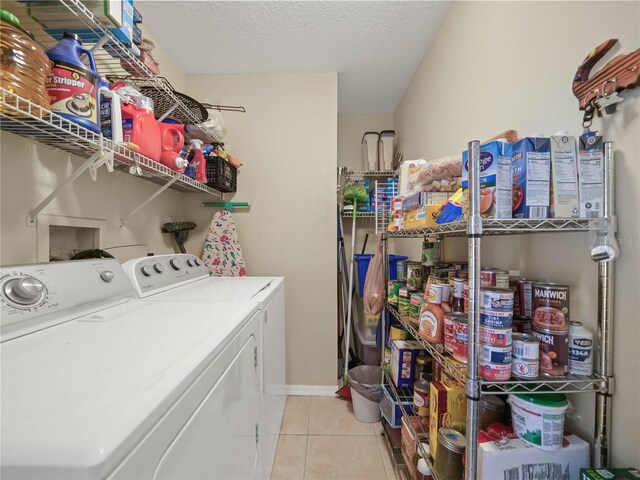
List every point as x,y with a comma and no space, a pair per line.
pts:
521,325
493,354
580,350
496,372
430,253
416,302
465,290
401,271
496,318
404,305
440,271
460,338
526,346
491,277
431,280
496,299
403,292
392,292
463,273
449,318
551,306
415,275
522,299
554,352
500,337
524,368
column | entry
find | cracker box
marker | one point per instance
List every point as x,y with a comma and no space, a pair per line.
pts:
421,217
531,171
448,408
513,459
564,177
590,176
609,473
403,361
495,181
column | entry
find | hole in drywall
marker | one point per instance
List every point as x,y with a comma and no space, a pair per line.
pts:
65,241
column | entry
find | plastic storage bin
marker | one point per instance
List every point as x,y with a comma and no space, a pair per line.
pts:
362,263
221,175
366,344
370,151
393,261
385,149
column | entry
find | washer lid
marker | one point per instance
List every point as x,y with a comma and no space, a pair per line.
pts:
77,398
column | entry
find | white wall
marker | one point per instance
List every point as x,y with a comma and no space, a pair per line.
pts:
499,65
287,141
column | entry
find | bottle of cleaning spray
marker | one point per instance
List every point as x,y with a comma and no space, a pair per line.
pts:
199,161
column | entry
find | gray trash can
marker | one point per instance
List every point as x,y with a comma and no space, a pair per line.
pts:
366,391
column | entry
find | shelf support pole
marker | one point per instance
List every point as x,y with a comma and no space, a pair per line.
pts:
604,365
149,200
31,216
474,236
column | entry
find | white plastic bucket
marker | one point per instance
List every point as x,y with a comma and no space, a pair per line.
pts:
385,149
364,409
539,421
370,151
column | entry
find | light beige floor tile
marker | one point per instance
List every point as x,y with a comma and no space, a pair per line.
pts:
386,458
290,458
344,458
334,416
377,428
296,416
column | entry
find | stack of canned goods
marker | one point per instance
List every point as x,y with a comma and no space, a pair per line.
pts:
496,323
550,324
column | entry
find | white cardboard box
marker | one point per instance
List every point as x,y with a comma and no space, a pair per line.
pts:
512,459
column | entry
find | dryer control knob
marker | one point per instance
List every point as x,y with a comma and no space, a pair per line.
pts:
107,275
190,262
24,290
158,268
175,264
197,262
145,270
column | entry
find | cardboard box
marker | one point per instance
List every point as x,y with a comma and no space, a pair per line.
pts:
609,473
564,177
516,460
391,410
422,217
448,408
591,176
531,171
419,427
495,181
422,199
403,361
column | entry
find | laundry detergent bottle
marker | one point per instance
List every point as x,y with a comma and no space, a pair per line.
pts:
72,85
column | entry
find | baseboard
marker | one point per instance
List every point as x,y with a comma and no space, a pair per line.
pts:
312,390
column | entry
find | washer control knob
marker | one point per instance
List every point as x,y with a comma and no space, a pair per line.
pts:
196,262
24,290
146,270
107,275
158,268
175,264
190,262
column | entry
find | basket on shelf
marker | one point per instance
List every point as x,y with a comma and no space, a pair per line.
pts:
221,175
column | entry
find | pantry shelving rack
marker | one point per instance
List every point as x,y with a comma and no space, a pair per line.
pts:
601,383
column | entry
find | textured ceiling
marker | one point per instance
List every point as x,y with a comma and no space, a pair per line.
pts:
374,46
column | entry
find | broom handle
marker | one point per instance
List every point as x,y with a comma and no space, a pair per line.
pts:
353,242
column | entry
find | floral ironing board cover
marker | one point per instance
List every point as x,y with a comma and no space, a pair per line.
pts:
222,253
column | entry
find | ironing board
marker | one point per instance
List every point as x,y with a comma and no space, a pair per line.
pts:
222,253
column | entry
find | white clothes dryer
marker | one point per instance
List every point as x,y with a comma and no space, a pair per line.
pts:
184,278
99,385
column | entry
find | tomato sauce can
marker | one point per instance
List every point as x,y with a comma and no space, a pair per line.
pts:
496,318
551,306
554,351
500,337
496,372
449,318
496,299
460,338
493,354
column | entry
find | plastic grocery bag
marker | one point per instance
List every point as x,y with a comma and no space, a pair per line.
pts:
366,380
374,286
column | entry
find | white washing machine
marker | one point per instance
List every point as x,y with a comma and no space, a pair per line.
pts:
97,384
184,278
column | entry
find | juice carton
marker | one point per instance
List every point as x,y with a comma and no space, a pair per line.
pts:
531,170
495,180
564,177
590,176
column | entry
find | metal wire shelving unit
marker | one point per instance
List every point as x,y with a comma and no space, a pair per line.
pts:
601,383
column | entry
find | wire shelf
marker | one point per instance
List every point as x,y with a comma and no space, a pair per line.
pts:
361,175
349,214
500,227
542,384
112,59
28,120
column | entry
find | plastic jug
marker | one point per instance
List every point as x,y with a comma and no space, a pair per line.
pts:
370,151
139,126
172,140
72,86
110,113
385,149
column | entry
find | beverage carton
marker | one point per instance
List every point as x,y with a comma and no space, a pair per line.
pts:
590,176
564,177
531,171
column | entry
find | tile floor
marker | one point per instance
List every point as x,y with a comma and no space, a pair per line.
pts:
320,439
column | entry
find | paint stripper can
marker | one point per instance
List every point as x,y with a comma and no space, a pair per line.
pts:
580,350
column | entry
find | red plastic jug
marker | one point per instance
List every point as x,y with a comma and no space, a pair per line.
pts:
172,140
139,126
